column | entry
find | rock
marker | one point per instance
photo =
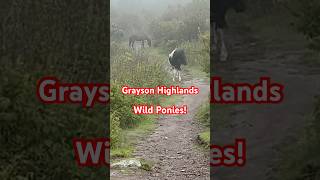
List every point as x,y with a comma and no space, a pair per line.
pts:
127,163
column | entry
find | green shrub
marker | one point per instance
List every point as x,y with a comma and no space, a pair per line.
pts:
301,160
42,38
37,139
143,69
115,130
198,52
203,114
307,15
181,24
204,138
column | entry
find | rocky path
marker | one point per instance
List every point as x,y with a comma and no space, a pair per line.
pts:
265,127
172,147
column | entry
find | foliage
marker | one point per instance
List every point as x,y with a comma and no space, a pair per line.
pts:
146,165
41,38
204,138
177,27
307,19
115,130
203,114
143,69
181,23
258,8
121,152
301,160
198,53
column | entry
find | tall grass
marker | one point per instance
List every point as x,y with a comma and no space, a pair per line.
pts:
197,52
301,159
42,38
145,68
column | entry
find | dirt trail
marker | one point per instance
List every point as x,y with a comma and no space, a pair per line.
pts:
172,146
265,127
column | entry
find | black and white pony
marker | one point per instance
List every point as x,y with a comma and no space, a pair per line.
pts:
139,37
177,58
220,9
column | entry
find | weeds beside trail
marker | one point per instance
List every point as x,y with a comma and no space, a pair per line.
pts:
147,68
171,149
127,68
49,38
154,140
149,137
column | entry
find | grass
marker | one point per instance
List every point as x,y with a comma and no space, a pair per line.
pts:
123,152
146,165
298,155
277,29
203,113
203,116
195,71
126,135
132,136
204,138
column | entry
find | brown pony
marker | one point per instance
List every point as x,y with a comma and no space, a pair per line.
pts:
141,38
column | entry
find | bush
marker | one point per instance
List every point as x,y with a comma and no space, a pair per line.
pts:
307,15
37,138
198,52
116,131
41,38
203,114
143,69
181,23
302,160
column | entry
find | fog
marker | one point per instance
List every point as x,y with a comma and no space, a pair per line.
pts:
134,6
161,20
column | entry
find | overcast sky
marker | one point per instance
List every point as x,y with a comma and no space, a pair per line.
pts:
156,6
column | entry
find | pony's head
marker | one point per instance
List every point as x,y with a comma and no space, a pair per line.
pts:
239,5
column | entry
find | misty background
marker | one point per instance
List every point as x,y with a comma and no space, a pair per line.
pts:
154,6
176,19
169,24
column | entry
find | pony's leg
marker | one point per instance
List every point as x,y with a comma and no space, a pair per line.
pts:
179,73
142,43
131,44
215,38
223,50
174,74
